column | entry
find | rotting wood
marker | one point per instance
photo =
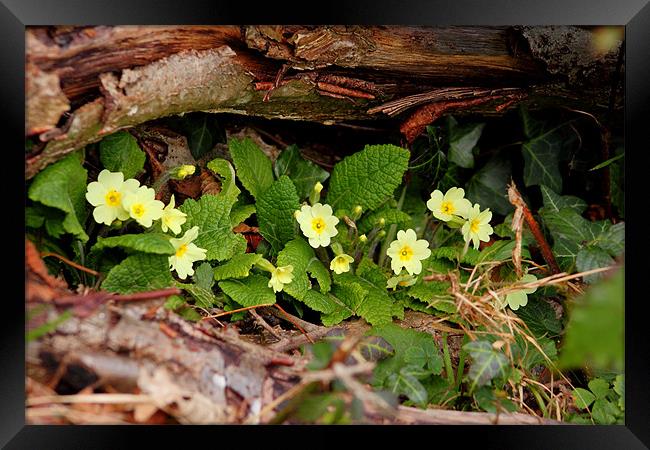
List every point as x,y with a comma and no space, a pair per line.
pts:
119,77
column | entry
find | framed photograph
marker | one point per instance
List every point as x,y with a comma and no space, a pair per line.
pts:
369,219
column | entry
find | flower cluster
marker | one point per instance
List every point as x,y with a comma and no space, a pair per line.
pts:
116,198
453,207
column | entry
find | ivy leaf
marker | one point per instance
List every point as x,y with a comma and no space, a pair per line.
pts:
156,243
253,166
401,340
406,384
498,251
554,202
593,257
487,363
613,239
543,151
138,273
368,177
62,185
203,132
212,215
275,209
426,356
594,333
237,267
462,141
251,291
303,173
604,412
540,318
488,186
120,152
567,224
566,251
38,215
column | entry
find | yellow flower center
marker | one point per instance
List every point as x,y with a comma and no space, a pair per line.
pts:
138,210
181,250
406,253
474,225
113,198
318,224
447,208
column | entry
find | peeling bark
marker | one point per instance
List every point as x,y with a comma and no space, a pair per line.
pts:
119,77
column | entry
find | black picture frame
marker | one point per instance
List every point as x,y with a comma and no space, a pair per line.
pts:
634,14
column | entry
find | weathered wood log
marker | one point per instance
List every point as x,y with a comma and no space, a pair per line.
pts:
119,77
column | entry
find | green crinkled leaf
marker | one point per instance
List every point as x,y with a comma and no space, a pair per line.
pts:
203,297
462,141
253,166
401,340
488,186
554,202
212,215
317,270
593,257
204,276
390,215
250,291
368,177
241,213
237,267
430,291
487,363
498,251
226,172
540,318
357,294
138,273
594,333
619,388
275,209
332,309
157,243
120,152
62,185
298,254
304,174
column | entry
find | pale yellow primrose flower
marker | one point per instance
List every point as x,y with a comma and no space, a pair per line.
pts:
143,206
477,227
281,276
341,263
172,218
451,204
107,194
520,298
407,251
186,253
317,224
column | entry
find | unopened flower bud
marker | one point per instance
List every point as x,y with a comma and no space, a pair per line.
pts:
382,222
356,212
182,172
318,187
381,234
314,196
363,238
